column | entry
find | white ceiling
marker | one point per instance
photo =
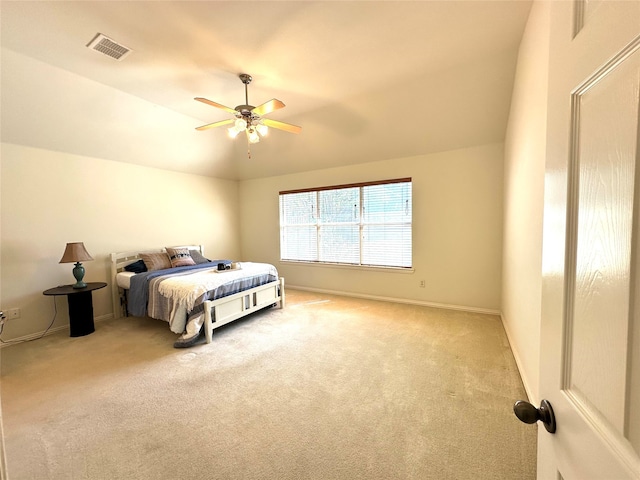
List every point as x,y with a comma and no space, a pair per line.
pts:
366,80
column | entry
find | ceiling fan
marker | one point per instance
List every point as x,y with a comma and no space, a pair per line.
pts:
248,118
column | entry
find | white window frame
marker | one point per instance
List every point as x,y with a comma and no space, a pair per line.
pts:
318,224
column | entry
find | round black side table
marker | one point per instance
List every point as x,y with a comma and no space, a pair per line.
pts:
80,303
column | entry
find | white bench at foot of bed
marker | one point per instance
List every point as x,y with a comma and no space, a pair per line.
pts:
227,309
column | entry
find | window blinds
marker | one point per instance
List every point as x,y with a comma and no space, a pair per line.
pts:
360,224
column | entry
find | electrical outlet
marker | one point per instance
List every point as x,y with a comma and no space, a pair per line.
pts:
422,284
12,313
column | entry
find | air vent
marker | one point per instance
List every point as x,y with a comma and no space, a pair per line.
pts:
108,47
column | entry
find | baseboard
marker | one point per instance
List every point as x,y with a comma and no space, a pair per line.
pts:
51,331
527,388
102,318
397,300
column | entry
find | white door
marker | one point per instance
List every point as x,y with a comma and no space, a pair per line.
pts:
590,337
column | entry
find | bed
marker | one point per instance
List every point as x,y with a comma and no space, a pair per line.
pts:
192,296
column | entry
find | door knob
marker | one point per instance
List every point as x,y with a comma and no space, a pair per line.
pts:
527,413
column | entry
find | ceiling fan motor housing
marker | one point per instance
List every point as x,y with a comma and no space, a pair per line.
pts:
244,110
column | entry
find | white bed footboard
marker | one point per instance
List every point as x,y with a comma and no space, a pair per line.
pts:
223,310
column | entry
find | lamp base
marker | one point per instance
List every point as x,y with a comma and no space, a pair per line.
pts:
78,272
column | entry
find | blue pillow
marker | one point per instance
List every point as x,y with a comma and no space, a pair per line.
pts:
136,267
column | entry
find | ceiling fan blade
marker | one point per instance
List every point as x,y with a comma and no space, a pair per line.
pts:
214,104
287,127
215,124
268,107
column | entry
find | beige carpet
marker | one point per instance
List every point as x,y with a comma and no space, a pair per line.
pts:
328,388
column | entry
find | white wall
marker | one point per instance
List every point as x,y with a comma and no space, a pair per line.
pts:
50,198
525,146
457,234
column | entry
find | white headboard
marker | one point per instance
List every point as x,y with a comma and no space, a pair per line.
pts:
119,260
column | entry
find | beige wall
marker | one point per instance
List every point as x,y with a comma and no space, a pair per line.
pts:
50,198
457,235
525,147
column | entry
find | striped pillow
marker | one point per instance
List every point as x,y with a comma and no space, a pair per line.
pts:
179,257
156,261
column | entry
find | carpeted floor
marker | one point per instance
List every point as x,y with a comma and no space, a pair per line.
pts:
328,388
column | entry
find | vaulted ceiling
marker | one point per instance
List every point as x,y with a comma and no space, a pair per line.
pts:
366,80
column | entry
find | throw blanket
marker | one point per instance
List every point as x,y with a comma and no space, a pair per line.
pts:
177,295
183,291
139,288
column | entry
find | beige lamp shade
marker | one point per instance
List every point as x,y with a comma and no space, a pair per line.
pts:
75,252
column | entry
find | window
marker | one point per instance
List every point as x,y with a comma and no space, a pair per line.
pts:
362,224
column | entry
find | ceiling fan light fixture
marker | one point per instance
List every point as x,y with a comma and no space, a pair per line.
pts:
262,129
241,124
252,135
233,132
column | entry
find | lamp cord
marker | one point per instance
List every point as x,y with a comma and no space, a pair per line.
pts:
15,342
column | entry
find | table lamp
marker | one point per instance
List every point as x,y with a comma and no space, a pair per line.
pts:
75,252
